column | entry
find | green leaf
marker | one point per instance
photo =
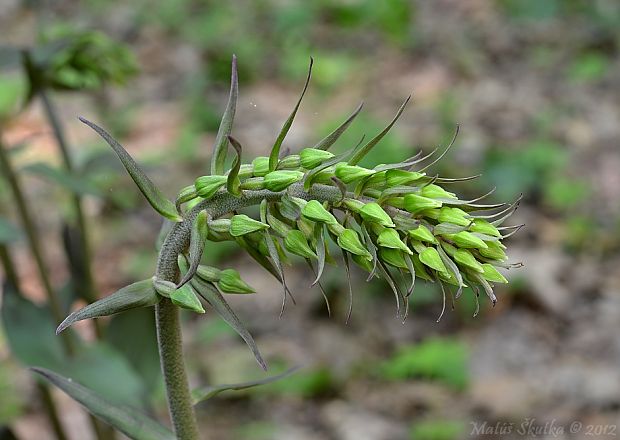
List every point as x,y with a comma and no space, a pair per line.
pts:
217,301
275,150
220,150
126,419
232,182
74,183
359,154
154,196
140,294
198,238
209,392
331,138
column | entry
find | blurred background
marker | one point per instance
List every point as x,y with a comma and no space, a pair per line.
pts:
535,87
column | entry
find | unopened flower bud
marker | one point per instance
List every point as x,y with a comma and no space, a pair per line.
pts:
373,212
455,216
421,233
282,179
491,274
253,184
242,224
362,262
377,180
420,269
349,241
185,298
208,273
315,211
466,240
296,243
401,177
207,186
221,225
230,282
494,251
260,166
351,173
289,162
163,287
484,227
311,157
436,192
415,203
431,258
466,258
393,257
391,239
186,194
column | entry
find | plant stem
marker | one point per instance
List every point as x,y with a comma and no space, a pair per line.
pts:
173,369
89,288
167,314
33,242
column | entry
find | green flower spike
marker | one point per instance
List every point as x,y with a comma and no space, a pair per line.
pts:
311,157
373,212
242,224
350,241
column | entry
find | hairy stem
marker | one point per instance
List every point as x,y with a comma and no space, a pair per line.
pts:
167,314
173,369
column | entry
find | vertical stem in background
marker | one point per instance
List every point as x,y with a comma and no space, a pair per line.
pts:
89,287
173,369
33,241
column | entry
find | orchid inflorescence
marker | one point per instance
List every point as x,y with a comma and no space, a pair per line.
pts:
391,219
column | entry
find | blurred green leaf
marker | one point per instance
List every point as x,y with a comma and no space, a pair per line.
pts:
9,233
590,66
437,430
74,183
440,359
13,400
12,92
306,384
127,420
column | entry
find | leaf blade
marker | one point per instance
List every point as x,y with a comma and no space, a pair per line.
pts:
220,149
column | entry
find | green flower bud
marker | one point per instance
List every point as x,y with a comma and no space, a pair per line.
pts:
466,258
185,298
242,224
163,287
324,176
186,194
436,192
455,216
209,273
466,240
311,157
351,173
396,202
260,165
362,262
377,180
373,212
450,250
253,184
315,211
491,274
422,233
306,227
221,225
494,251
449,278
420,269
433,214
296,243
289,162
415,203
484,227
401,177
431,258
282,179
349,241
393,257
207,186
391,239
231,282
278,225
